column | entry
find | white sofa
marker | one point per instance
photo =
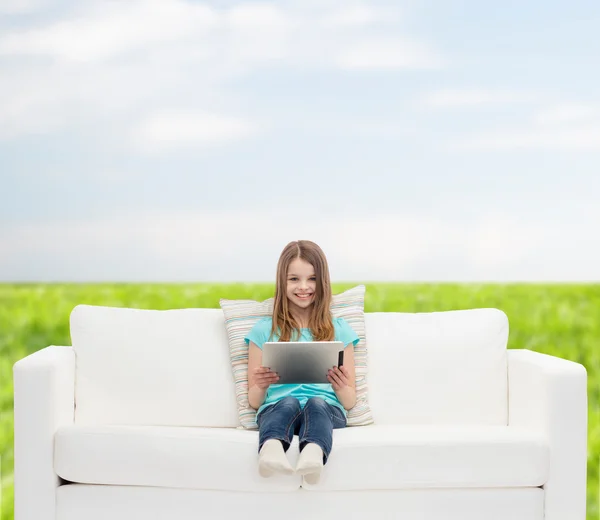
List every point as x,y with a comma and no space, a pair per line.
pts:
138,419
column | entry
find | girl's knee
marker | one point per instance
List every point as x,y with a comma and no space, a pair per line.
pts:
316,402
290,401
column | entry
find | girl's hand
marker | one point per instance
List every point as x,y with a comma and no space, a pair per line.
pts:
264,377
338,377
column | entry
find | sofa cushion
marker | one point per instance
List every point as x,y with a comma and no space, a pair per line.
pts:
242,315
438,367
373,457
166,456
154,367
433,456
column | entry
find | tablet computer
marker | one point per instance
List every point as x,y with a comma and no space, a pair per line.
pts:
300,362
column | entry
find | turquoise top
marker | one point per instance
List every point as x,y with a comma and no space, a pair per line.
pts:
260,334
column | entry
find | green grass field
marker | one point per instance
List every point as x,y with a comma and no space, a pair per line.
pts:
559,319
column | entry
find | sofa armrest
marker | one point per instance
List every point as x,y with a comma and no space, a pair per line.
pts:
548,394
44,400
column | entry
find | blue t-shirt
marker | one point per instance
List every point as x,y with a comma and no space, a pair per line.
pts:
260,334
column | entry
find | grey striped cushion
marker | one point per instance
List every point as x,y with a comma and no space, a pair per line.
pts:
240,317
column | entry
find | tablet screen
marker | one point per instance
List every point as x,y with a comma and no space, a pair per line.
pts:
302,362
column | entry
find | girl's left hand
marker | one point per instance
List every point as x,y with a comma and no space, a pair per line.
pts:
338,377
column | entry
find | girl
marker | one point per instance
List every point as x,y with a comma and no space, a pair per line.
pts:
301,309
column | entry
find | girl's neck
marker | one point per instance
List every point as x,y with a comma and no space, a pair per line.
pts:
301,320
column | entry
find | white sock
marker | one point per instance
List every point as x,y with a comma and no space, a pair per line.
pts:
272,459
310,463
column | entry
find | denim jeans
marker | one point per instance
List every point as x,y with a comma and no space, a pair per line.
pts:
313,423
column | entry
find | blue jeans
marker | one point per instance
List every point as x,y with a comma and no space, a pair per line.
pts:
313,423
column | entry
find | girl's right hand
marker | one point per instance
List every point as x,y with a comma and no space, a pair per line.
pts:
264,377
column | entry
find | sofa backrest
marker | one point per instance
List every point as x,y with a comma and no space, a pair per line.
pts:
172,367
440,367
156,367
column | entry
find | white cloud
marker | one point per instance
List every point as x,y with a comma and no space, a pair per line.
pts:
582,138
390,53
473,97
368,128
8,7
230,246
354,15
168,130
107,29
567,113
103,30
558,126
497,241
258,16
120,62
29,111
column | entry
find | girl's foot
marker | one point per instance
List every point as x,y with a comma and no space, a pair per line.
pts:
272,459
310,463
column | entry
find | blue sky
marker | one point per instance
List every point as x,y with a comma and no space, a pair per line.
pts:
191,141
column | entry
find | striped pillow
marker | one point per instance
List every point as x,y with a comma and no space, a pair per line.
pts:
241,316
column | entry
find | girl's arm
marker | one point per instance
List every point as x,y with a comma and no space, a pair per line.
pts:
343,380
259,378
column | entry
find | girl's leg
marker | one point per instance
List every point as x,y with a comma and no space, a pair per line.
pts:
318,420
276,425
278,422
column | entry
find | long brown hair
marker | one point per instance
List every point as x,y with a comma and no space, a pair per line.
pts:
320,322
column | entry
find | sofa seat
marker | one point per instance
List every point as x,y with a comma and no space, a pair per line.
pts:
375,457
165,456
435,456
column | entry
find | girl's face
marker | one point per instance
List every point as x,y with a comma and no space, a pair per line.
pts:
301,280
